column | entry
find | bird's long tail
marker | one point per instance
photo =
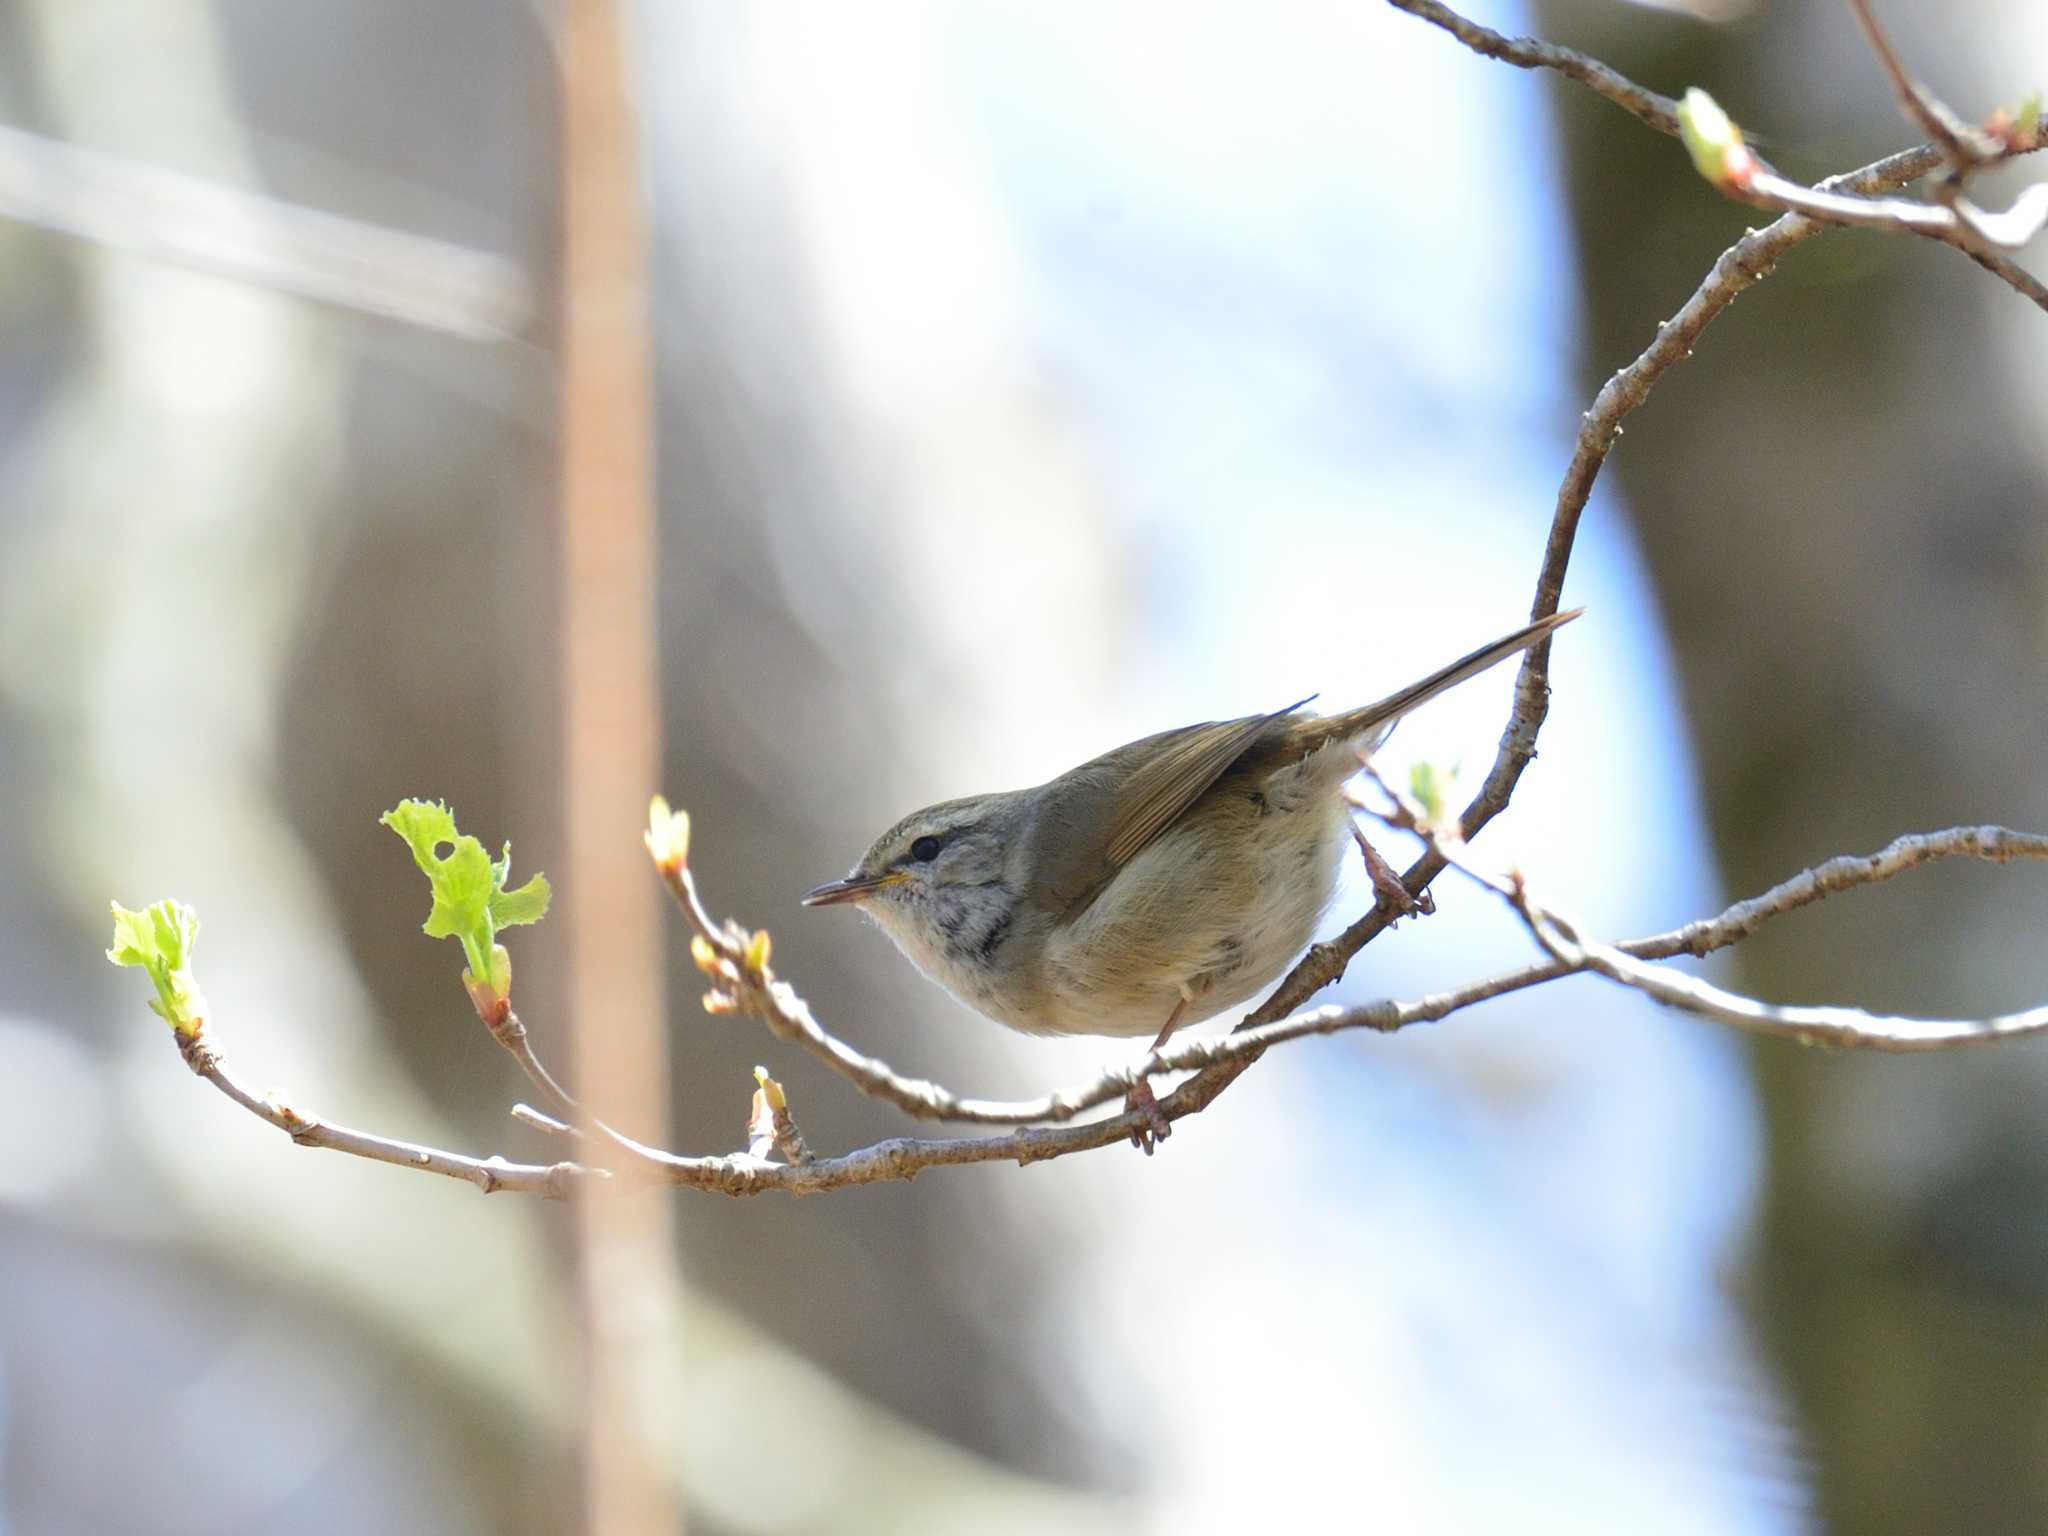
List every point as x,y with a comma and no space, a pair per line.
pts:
1372,720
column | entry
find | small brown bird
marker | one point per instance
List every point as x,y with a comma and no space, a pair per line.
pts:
1157,885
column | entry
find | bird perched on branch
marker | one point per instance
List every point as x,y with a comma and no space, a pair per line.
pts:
1154,886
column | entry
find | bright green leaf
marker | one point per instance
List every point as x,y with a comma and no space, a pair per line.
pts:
423,823
528,904
161,939
470,900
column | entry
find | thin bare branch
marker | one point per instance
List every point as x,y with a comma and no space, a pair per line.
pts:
1959,222
752,989
509,1030
526,1114
1660,112
1804,1024
2018,278
492,1175
1732,167
1956,221
1845,1028
1996,845
1963,145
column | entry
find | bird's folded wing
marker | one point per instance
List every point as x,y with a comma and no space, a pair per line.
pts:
1172,774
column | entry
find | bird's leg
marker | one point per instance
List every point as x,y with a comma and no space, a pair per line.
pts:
1157,1127
1387,885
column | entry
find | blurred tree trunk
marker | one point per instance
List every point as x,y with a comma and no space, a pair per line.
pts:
1841,500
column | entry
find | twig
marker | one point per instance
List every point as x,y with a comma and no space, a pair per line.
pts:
526,1114
1996,845
1724,160
1962,145
1807,1025
1959,222
1660,112
1843,1028
509,1030
752,988
492,1175
1969,229
2018,278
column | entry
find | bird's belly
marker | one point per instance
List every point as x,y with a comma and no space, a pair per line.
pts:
1183,924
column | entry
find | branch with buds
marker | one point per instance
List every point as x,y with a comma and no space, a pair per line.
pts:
473,904
161,939
1956,151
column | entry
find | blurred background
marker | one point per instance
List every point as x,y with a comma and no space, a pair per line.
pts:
1030,378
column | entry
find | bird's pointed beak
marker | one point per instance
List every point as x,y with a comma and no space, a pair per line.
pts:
852,888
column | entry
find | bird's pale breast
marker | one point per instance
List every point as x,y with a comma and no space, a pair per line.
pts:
1211,912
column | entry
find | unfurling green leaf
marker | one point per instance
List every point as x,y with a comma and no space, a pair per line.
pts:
161,939
470,900
528,904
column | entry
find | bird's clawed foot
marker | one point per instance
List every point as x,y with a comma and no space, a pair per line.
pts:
1387,886
1156,1127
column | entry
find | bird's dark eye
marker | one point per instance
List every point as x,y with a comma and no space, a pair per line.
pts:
925,849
